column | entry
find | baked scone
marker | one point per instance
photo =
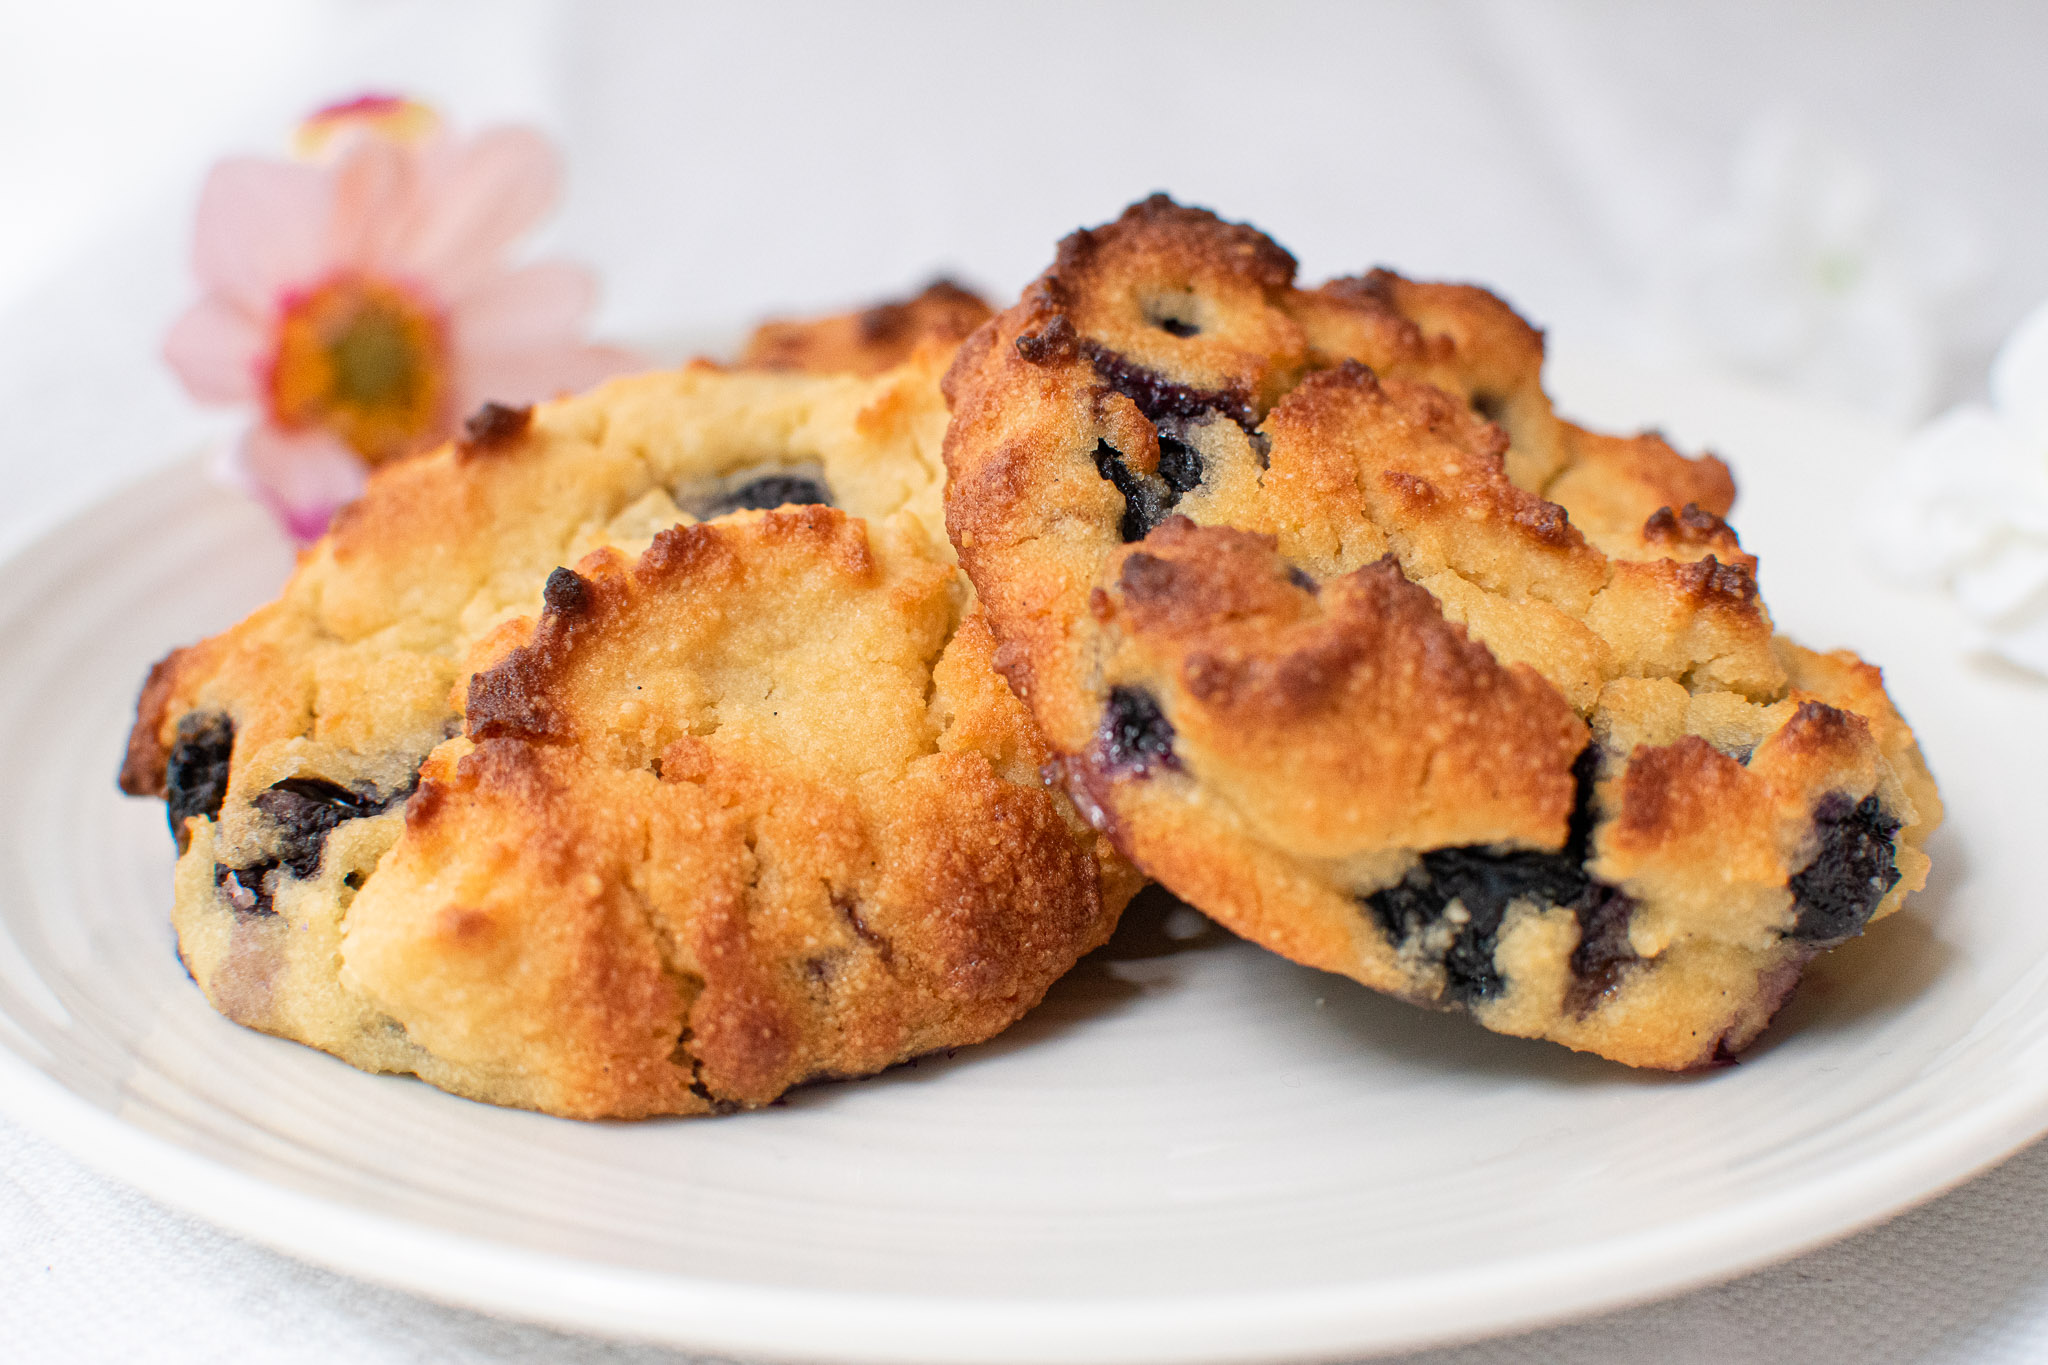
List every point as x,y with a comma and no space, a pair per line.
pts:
641,753
1347,639
871,340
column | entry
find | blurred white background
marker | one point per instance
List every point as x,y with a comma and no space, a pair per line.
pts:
1844,199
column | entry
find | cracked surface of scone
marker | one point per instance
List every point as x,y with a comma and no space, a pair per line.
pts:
1343,635
870,340
597,765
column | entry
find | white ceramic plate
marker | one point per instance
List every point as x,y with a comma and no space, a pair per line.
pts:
1201,1155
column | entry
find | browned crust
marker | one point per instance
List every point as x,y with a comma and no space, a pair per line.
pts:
870,340
735,925
1283,695
142,767
493,429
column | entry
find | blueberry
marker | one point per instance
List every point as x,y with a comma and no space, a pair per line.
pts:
196,773
1834,894
1136,735
1180,465
1145,502
305,810
1486,880
1158,397
768,492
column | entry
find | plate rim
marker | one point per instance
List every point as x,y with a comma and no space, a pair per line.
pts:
780,1323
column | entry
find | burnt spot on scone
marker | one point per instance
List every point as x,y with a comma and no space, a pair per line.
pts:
1710,581
1452,903
1159,398
1694,528
1146,499
511,699
565,593
1135,734
1834,895
769,492
1688,526
1051,343
493,428
1491,406
196,771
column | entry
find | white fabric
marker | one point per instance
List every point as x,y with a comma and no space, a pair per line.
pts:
1611,166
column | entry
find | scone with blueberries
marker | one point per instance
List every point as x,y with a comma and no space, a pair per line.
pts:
1344,636
638,754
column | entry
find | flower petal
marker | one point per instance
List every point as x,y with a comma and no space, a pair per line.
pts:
2019,376
376,199
480,197
538,374
302,477
218,350
538,305
262,226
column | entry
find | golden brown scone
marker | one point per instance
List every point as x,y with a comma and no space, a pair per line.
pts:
1345,638
594,765
871,340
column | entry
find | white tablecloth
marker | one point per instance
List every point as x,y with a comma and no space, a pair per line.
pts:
731,160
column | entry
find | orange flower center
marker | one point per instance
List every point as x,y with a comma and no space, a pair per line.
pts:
363,359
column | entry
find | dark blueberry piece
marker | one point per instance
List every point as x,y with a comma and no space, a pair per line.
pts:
1135,733
1158,397
306,809
1836,892
1145,502
1485,881
1604,950
1301,578
247,889
1180,464
768,492
196,773
1490,406
1178,328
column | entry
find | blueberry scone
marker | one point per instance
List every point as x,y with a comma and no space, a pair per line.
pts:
870,340
1343,635
641,753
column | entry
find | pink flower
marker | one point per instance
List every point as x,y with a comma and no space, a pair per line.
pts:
362,299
